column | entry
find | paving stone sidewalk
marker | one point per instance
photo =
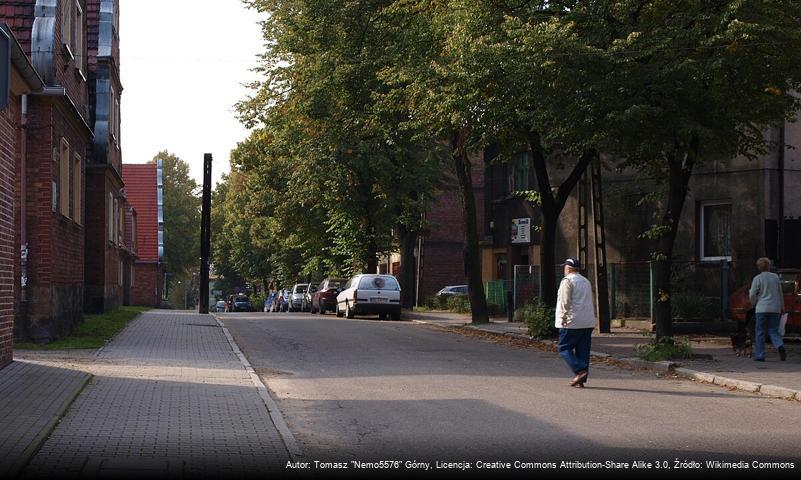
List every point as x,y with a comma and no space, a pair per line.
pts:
169,398
621,342
32,399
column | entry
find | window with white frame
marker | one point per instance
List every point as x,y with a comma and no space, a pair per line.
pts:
73,33
110,217
715,231
64,178
77,191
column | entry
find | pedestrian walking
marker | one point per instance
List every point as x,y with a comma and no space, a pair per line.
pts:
575,319
767,298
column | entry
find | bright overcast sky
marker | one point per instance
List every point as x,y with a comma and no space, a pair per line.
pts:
183,65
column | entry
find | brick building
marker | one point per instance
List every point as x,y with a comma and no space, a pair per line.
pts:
105,196
23,81
143,187
50,299
443,248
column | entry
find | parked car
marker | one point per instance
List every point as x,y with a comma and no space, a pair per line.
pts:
325,298
453,290
741,310
296,300
283,300
370,294
307,297
242,304
219,306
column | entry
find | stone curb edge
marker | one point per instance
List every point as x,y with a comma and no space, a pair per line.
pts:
288,438
44,433
667,368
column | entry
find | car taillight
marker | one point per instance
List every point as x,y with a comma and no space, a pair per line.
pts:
355,295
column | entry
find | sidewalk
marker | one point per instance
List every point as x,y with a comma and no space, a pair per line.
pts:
168,398
774,378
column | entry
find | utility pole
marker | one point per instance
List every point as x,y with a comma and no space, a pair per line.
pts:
205,236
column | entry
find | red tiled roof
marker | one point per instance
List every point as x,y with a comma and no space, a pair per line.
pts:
140,188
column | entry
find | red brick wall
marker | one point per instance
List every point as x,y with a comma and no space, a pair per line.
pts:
102,290
443,248
148,283
56,243
9,144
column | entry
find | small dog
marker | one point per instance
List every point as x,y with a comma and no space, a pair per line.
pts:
742,342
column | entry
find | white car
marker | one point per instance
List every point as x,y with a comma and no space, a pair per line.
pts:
370,294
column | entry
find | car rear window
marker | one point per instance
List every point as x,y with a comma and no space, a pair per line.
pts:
300,289
378,283
335,283
242,299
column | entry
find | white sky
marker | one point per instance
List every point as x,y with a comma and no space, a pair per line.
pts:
183,65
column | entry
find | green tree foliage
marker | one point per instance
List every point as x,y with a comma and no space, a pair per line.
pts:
331,184
181,214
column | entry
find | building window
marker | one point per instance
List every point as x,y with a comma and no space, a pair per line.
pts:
715,231
120,224
112,115
133,234
67,13
77,191
64,178
110,217
518,172
73,33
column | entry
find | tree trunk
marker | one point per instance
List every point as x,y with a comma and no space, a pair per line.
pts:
407,241
472,254
548,258
551,206
680,169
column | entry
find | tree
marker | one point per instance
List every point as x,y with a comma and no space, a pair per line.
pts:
181,214
360,182
696,82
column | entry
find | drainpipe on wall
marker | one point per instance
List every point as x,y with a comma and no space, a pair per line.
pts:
781,194
23,221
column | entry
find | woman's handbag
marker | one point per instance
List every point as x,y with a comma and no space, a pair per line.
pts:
782,324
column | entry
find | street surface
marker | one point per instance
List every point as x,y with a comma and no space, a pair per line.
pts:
366,389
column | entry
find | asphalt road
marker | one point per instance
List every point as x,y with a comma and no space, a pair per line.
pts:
367,389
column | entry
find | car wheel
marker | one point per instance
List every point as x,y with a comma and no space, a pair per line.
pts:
349,313
382,316
396,315
339,312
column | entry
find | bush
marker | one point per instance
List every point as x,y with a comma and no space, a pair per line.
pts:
257,300
458,303
666,349
538,317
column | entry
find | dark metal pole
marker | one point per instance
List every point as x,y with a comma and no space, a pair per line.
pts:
205,236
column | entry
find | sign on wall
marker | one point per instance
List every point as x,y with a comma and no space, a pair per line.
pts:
521,230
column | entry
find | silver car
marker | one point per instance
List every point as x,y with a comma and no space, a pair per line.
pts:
297,299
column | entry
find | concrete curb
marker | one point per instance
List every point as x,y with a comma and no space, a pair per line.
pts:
272,407
666,368
44,433
744,385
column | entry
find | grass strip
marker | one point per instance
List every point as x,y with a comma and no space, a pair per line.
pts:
94,332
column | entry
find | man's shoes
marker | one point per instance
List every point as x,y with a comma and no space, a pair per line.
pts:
782,353
579,379
759,359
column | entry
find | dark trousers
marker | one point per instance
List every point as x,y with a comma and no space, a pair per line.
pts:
574,347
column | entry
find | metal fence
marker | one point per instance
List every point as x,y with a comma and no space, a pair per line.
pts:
700,290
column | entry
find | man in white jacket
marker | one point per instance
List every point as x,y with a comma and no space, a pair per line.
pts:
575,319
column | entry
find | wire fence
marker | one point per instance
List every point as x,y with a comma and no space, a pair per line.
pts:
700,290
